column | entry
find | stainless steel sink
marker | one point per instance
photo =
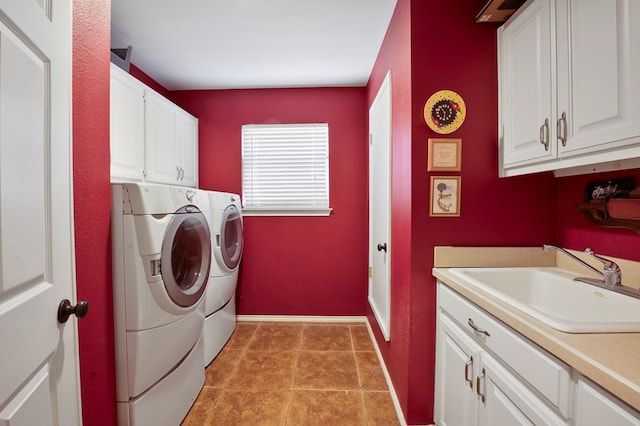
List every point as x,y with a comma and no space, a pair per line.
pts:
553,297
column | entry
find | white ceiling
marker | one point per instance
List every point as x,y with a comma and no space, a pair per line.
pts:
222,44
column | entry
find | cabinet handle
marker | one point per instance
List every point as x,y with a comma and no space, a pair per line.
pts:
181,173
469,377
178,170
561,128
544,134
479,379
476,329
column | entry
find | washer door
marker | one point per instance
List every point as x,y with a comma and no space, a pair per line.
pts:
186,256
231,237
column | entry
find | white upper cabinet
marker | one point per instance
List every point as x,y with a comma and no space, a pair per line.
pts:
187,143
569,100
126,126
159,143
526,73
171,136
601,94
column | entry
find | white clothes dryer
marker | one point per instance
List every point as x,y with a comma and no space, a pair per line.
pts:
161,262
227,245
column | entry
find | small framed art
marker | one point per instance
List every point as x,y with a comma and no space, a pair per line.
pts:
445,196
444,155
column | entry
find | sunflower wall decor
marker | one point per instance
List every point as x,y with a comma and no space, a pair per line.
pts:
445,112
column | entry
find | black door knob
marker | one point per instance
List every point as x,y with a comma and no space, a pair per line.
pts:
382,247
65,310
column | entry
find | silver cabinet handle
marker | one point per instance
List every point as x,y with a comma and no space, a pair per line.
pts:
482,393
544,134
468,372
178,170
476,329
561,128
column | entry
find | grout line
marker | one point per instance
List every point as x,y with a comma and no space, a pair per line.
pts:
303,321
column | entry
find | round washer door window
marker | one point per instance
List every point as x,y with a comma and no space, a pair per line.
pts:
186,256
231,237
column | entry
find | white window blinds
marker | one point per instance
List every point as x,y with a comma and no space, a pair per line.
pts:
285,167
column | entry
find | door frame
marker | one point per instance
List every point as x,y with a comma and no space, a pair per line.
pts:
381,308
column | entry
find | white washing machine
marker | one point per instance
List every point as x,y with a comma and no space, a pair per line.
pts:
227,243
161,262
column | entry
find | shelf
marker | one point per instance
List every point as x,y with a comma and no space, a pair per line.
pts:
613,212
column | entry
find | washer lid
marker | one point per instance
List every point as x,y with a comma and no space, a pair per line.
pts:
186,256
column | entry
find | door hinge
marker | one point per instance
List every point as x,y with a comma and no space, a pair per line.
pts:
370,139
370,272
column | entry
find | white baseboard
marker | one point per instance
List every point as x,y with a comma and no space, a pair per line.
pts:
299,318
392,391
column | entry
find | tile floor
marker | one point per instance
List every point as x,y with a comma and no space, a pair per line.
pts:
295,374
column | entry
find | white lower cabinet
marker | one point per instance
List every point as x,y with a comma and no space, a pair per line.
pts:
489,375
596,407
456,401
474,388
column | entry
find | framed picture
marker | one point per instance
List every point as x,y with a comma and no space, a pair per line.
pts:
444,155
445,196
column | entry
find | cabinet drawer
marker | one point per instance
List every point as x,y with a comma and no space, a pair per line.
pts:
595,406
544,373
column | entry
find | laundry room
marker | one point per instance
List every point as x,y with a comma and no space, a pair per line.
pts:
318,266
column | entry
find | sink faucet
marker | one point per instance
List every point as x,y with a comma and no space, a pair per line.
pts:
611,276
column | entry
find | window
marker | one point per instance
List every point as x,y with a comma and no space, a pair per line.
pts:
285,169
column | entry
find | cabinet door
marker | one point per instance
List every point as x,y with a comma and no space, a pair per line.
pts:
162,153
602,99
527,97
505,400
456,403
126,126
596,407
187,140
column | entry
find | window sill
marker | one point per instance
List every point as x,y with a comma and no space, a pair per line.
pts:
284,211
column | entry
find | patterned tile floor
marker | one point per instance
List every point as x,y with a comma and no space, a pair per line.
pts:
295,374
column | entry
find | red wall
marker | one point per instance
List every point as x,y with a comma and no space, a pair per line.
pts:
448,52
146,79
92,198
294,265
576,232
318,265
395,55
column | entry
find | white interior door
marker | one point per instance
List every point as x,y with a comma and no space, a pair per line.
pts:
380,206
38,360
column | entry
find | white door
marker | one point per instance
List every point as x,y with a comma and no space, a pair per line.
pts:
380,206
600,93
526,93
161,153
38,357
126,126
456,402
505,400
187,141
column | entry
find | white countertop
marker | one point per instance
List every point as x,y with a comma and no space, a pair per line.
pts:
611,360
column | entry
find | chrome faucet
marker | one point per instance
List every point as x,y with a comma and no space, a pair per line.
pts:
611,276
